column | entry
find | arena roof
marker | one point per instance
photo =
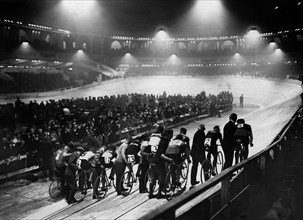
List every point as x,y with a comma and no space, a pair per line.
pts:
144,17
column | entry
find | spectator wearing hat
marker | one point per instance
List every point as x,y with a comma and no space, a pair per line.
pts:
197,152
228,143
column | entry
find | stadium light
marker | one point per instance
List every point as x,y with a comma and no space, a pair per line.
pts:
253,34
278,55
206,10
161,34
79,7
128,58
80,55
174,60
208,16
25,48
272,46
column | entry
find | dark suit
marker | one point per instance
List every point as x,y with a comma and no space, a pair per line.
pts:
197,153
228,143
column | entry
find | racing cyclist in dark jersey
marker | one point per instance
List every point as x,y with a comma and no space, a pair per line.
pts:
243,135
211,145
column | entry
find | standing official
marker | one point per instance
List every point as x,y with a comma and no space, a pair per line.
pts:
228,144
197,152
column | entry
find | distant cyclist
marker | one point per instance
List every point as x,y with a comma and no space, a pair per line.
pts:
243,134
211,145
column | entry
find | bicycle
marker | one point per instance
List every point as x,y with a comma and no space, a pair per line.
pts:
148,178
220,162
240,151
207,169
176,178
82,183
101,185
55,189
127,180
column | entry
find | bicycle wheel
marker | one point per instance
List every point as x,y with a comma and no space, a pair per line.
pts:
241,155
112,182
100,187
183,174
126,182
148,178
80,188
55,190
220,162
169,186
184,170
205,172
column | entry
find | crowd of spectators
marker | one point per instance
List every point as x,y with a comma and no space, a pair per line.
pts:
275,70
34,126
30,82
27,81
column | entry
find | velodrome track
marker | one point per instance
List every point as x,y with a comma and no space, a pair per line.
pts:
268,106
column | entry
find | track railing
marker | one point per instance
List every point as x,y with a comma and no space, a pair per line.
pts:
217,195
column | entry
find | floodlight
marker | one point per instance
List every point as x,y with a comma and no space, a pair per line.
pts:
161,34
253,34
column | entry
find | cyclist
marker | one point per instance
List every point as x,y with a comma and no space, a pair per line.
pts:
178,151
155,139
70,174
108,160
144,162
211,145
132,151
103,159
85,162
120,164
243,134
183,132
158,165
60,163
